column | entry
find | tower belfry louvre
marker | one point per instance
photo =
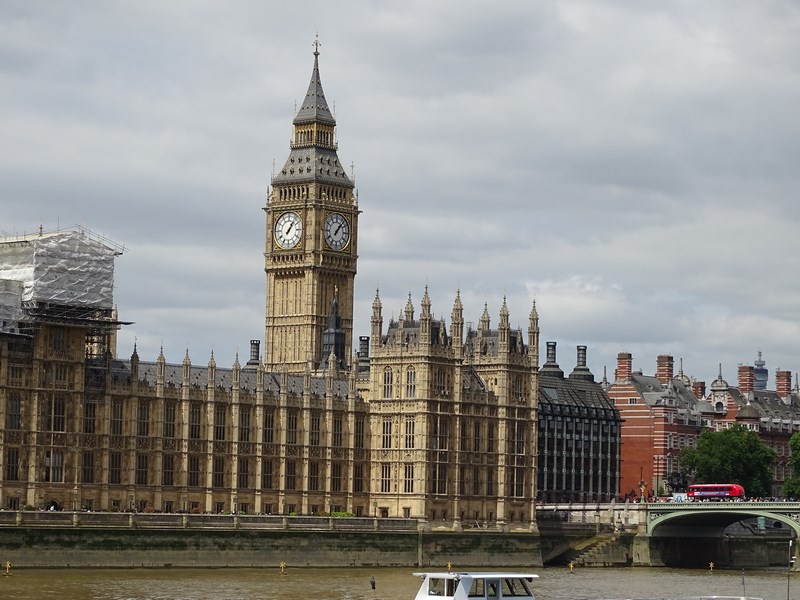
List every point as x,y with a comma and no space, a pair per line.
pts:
311,240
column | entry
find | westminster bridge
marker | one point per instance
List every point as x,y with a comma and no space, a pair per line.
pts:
696,534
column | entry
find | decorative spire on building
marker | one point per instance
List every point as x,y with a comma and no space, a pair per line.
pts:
212,371
161,363
533,336
604,383
484,322
426,305
409,309
333,338
457,323
187,365
237,369
376,321
134,360
503,329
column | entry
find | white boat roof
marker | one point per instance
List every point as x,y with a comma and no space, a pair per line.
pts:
477,574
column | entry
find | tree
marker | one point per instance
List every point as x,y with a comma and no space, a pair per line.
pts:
791,485
735,455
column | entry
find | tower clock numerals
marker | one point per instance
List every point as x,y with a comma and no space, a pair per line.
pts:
337,231
288,229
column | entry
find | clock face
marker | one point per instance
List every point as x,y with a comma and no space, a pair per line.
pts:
337,231
288,230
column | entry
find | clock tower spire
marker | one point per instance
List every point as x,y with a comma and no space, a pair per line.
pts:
311,235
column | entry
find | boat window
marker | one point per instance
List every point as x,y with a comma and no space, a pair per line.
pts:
493,591
478,589
441,587
435,587
515,587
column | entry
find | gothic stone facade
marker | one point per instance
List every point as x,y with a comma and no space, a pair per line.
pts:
427,422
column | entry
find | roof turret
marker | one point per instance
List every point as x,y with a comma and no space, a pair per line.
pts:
719,384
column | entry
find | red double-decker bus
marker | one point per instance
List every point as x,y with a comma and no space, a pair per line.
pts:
715,491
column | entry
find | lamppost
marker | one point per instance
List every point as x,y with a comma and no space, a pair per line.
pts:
642,484
789,569
658,474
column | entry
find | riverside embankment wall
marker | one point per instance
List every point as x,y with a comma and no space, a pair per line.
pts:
313,542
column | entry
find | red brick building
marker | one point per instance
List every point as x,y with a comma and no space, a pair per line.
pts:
773,414
665,412
661,415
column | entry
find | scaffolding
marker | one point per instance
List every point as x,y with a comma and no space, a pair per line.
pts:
62,279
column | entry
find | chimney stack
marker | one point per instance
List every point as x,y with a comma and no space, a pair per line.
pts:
363,353
747,378
551,366
581,371
624,362
664,368
551,352
699,389
255,349
783,383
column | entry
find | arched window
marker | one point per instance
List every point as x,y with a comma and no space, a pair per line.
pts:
387,382
411,382
518,389
441,382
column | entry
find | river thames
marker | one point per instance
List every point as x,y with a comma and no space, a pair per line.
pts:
554,583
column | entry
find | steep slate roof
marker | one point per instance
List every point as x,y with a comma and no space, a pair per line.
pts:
311,162
675,393
491,341
173,374
411,331
770,408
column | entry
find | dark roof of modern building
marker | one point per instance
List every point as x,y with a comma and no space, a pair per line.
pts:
574,398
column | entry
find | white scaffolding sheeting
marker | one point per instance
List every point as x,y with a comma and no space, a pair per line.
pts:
70,268
10,304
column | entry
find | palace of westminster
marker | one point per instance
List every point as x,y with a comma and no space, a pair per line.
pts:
424,420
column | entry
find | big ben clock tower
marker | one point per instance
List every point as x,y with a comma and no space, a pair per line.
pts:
311,234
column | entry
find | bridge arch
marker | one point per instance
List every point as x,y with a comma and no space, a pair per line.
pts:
719,515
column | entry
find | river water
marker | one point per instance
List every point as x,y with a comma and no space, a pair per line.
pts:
554,583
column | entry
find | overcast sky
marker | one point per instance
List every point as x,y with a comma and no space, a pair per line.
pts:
634,166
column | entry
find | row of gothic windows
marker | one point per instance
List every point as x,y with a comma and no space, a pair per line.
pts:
55,420
441,383
54,470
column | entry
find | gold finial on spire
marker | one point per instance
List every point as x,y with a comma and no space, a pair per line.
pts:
317,44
